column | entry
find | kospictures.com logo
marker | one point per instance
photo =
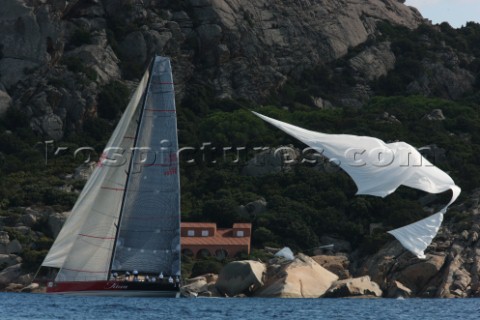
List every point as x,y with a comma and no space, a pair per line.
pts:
208,153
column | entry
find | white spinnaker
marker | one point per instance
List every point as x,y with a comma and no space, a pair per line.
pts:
83,248
378,169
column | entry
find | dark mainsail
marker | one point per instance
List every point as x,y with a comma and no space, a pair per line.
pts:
148,238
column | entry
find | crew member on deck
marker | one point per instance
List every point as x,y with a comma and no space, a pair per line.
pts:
135,275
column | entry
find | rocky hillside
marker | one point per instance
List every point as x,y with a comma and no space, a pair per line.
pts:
372,67
55,56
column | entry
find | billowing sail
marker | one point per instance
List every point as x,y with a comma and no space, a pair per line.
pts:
84,248
378,169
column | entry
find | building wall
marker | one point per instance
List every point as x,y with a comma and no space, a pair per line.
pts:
197,230
232,251
215,237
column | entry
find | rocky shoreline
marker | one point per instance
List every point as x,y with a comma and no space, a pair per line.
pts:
303,277
450,270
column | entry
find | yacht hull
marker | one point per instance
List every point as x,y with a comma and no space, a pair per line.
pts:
114,288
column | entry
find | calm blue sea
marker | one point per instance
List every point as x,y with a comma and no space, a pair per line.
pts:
41,306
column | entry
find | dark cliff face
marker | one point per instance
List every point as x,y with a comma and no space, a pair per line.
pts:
55,56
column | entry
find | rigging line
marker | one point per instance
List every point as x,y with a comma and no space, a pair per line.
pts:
36,274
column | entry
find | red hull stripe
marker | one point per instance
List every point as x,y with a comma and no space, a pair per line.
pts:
104,287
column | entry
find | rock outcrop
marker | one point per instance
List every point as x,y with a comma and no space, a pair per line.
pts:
56,221
417,273
397,290
338,264
20,239
356,287
202,286
301,278
449,82
29,37
435,115
253,208
240,277
8,260
8,246
374,62
272,46
11,275
5,102
451,266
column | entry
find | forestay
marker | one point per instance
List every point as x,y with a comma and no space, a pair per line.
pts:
378,169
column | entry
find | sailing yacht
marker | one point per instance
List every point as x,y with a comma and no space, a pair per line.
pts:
122,237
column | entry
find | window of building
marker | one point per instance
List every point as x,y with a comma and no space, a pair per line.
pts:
191,233
240,233
204,233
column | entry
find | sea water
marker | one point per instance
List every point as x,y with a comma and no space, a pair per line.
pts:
42,306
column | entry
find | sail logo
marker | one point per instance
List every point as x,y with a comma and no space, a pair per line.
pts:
170,172
116,285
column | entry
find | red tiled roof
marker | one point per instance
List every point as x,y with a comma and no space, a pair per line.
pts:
198,225
242,225
221,238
